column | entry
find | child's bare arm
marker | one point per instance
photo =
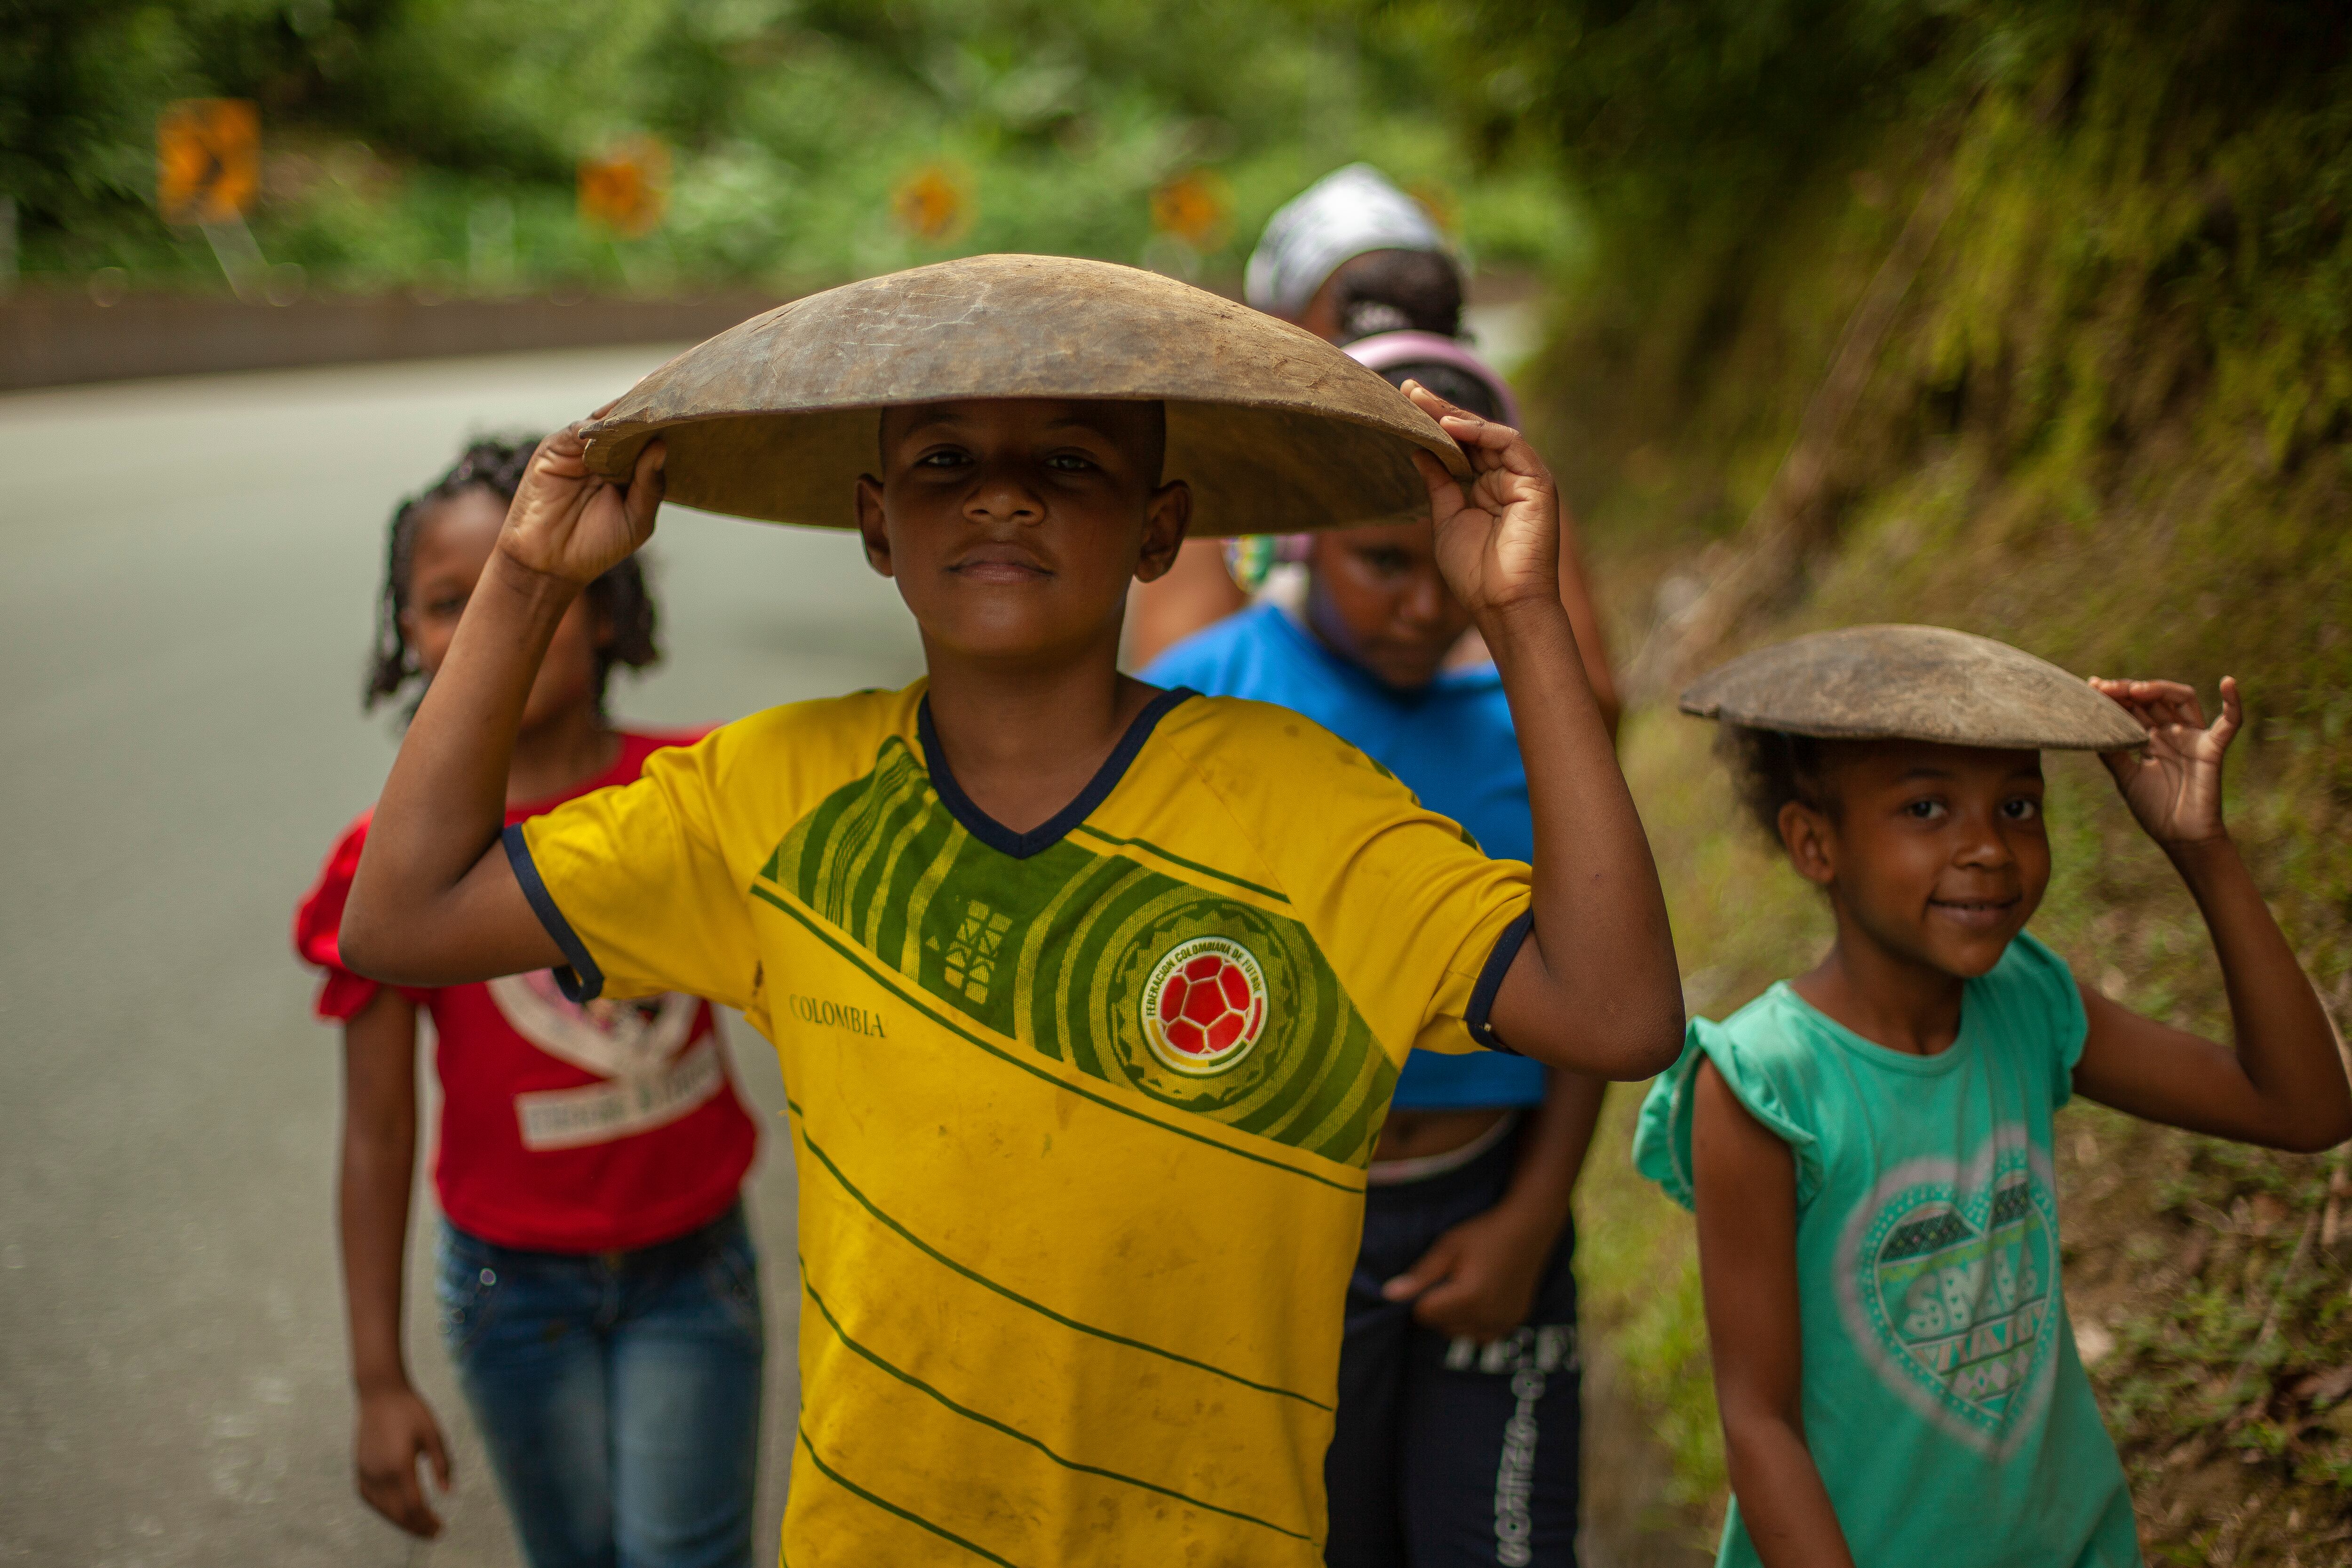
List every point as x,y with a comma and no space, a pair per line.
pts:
2283,1086
1594,988
1745,1181
396,1426
1576,594
435,901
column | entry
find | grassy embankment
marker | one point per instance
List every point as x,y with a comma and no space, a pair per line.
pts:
2106,420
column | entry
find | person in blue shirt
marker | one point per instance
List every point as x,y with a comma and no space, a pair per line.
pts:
1457,1437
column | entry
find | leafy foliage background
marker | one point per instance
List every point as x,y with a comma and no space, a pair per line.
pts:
434,140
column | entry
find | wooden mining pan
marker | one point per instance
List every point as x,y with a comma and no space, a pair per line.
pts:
1276,430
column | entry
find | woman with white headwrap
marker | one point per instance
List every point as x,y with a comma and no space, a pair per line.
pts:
1354,221
1352,258
1457,1433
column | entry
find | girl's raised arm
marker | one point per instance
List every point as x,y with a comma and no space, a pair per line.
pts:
2283,1086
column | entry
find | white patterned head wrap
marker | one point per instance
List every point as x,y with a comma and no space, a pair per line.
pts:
1335,220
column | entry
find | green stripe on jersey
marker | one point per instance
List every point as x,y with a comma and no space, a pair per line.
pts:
1067,951
1087,830
977,1278
808,1446
969,1414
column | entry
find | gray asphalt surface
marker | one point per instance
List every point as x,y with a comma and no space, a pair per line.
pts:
188,573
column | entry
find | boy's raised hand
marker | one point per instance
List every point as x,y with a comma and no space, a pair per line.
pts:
574,525
2173,786
1498,541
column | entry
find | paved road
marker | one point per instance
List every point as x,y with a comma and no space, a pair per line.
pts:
186,576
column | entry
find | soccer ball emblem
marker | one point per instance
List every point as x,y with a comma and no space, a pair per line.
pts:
1204,1006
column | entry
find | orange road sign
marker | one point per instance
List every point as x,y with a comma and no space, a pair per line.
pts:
627,189
207,160
932,205
1197,207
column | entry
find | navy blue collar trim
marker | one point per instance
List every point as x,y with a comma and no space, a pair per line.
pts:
1052,831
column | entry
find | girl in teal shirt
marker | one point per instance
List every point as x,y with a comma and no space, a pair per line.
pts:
1866,1147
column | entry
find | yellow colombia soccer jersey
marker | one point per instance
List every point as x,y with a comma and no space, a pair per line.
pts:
1081,1114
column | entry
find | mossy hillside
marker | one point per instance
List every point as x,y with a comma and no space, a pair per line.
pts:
2109,423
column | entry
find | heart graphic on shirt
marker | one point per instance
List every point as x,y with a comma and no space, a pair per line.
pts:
1947,1282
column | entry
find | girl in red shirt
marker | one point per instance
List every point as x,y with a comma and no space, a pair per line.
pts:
598,1289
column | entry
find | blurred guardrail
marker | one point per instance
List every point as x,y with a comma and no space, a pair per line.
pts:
58,339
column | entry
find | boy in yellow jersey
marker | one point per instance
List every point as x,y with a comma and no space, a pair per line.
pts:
1089,996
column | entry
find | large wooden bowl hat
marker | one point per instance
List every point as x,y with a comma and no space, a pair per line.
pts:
1274,428
1913,683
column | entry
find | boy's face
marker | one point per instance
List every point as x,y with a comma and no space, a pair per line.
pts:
1014,525
1376,596
1937,854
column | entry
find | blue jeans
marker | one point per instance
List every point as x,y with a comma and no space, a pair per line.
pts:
1448,1454
618,1393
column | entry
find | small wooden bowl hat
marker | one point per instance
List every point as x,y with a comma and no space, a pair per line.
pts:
1274,429
1913,683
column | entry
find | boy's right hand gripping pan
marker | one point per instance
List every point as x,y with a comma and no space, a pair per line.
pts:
1274,429
1913,683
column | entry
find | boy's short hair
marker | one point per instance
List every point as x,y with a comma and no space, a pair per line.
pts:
1772,768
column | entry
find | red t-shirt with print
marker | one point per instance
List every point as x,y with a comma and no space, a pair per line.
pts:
563,1128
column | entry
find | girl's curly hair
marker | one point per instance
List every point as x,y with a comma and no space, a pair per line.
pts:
1771,768
619,600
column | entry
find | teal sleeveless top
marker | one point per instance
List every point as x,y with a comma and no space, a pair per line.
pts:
1944,1402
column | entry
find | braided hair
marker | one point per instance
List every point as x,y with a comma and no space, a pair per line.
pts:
618,600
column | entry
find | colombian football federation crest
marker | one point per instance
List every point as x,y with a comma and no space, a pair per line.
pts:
1204,1006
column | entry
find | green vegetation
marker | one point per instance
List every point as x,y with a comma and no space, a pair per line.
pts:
432,144
2101,404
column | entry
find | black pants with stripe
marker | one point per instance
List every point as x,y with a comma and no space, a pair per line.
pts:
1448,1453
